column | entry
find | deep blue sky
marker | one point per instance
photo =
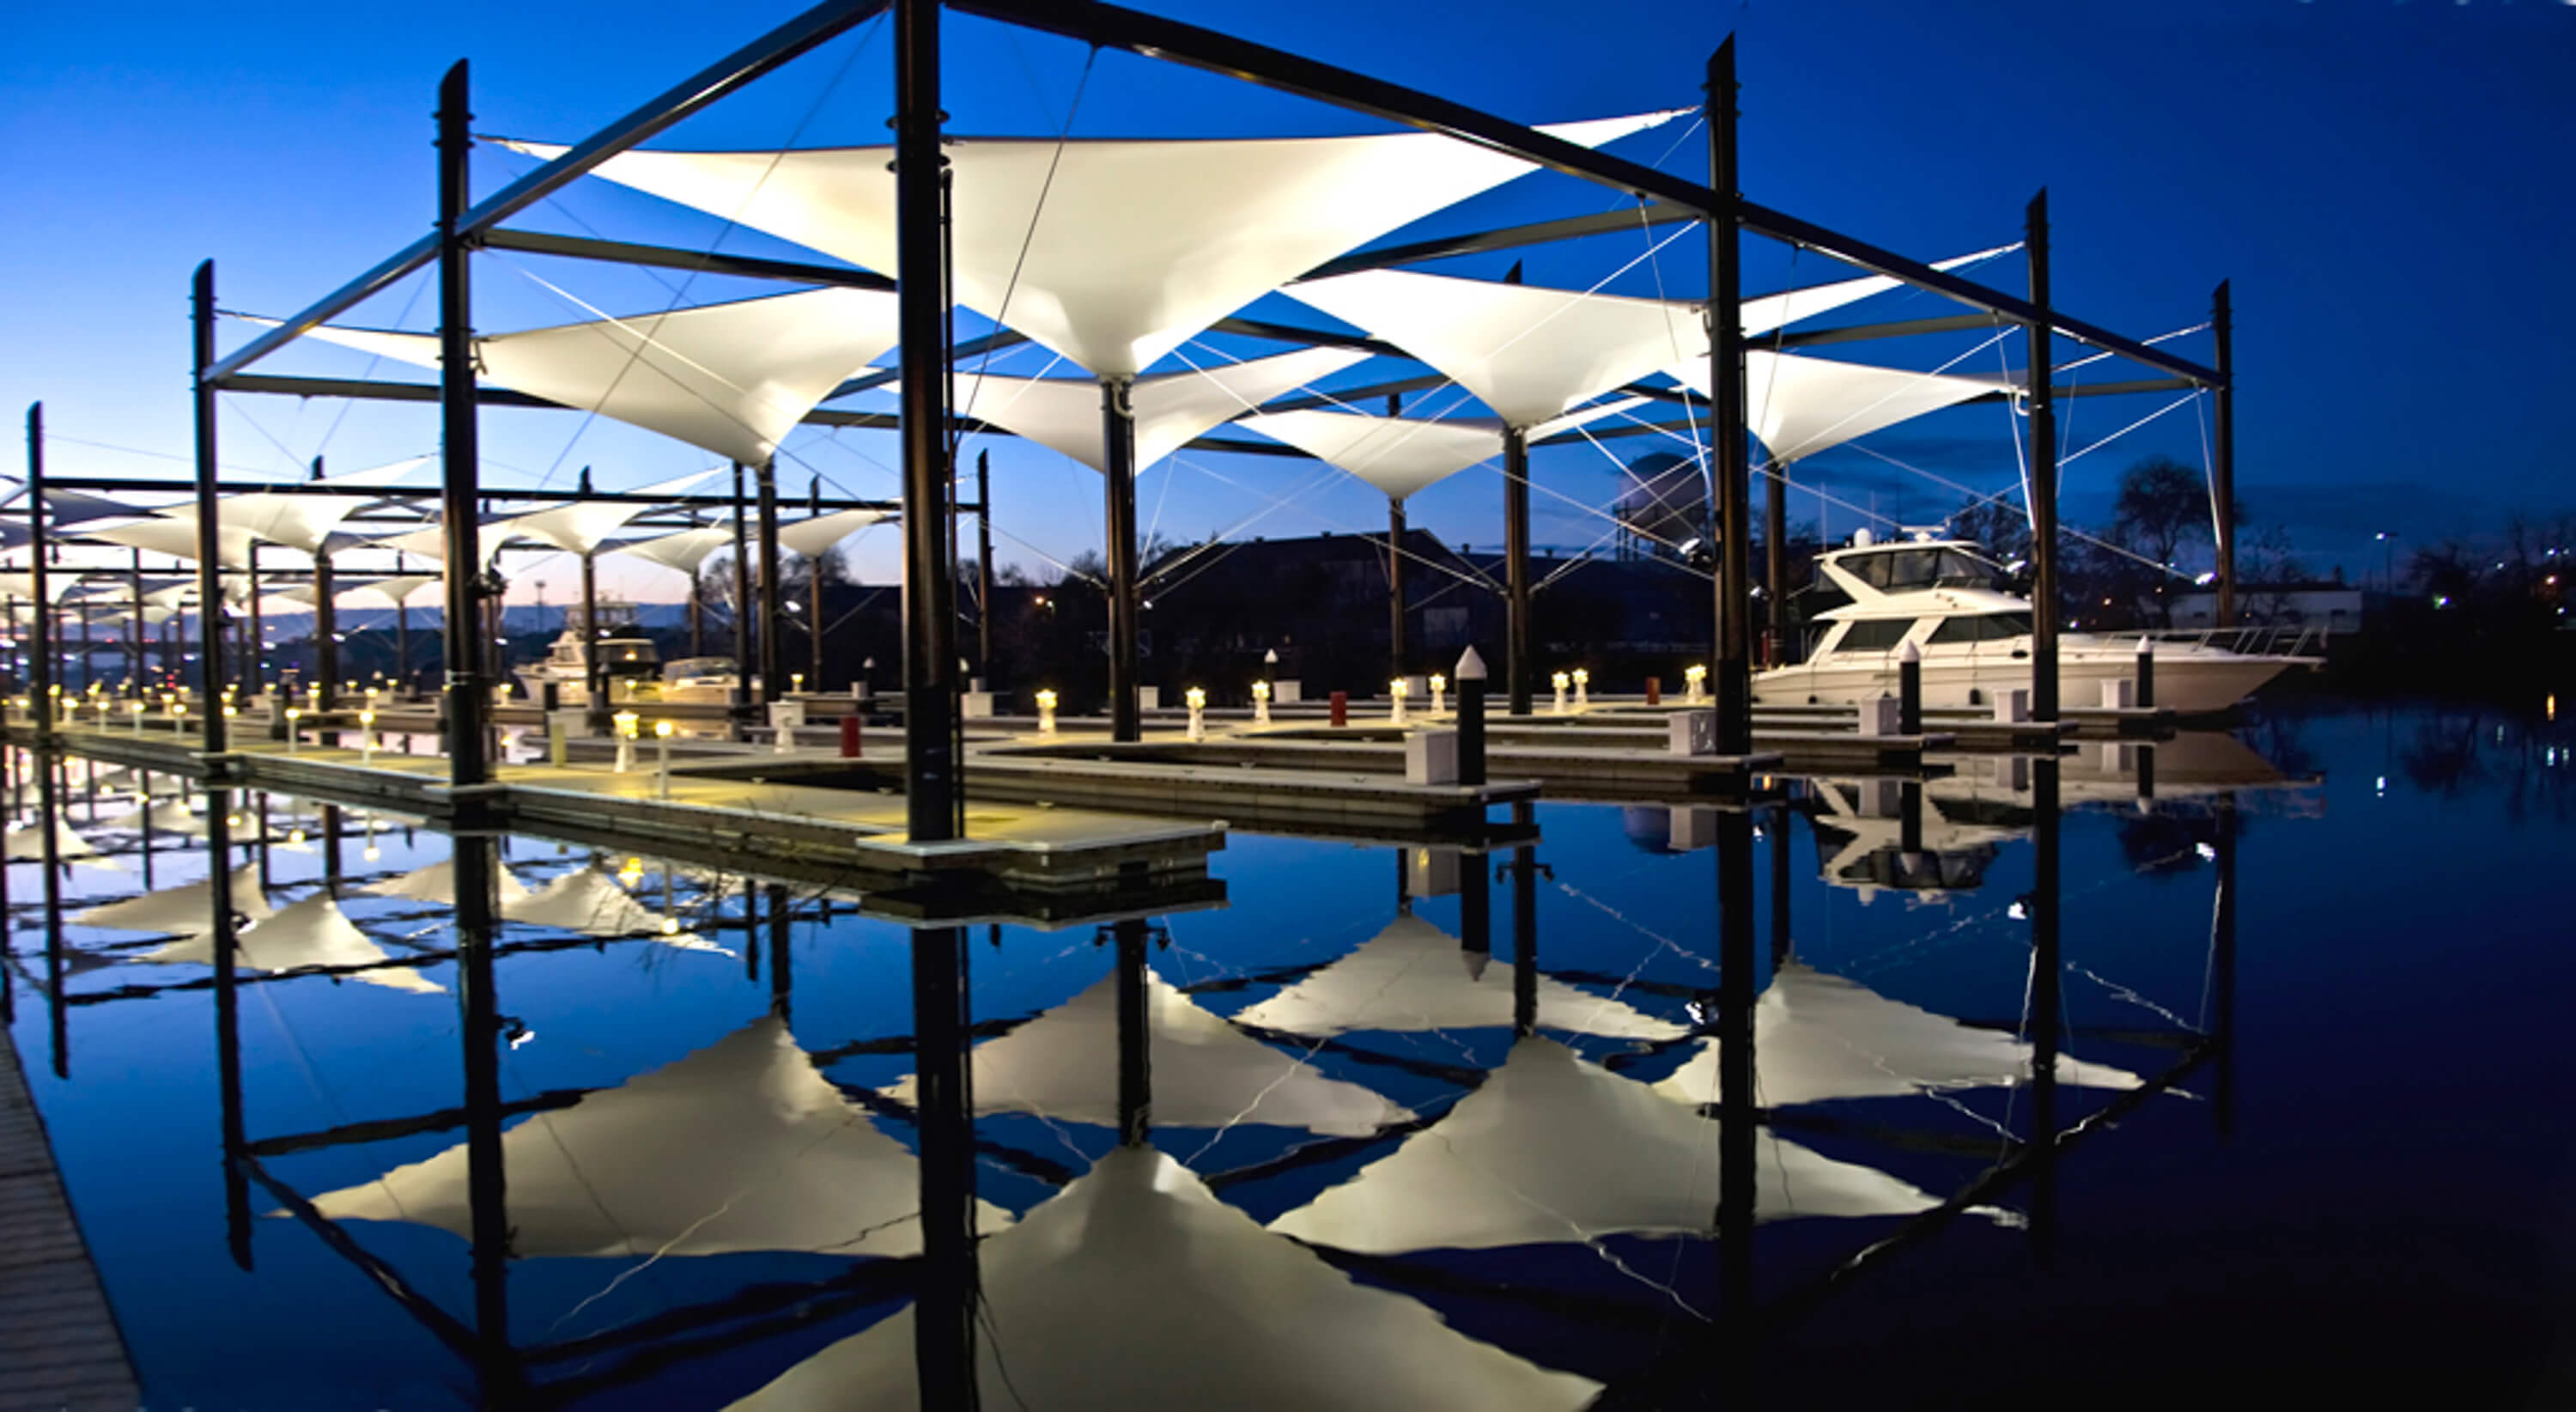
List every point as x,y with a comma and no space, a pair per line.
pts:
2385,184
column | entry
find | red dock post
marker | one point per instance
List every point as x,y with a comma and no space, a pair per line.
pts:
850,736
1341,708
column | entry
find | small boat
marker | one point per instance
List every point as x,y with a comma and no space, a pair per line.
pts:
704,679
1945,598
630,663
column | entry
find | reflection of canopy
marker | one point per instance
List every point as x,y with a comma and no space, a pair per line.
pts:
589,901
168,816
1553,1148
437,883
1171,408
1064,1064
186,910
28,843
1136,1287
683,551
1109,252
732,378
815,536
740,1146
312,932
1818,1037
1409,977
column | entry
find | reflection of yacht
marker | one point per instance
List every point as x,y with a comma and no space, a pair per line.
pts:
700,679
1940,596
1863,821
626,657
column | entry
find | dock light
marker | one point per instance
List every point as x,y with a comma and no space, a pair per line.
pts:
1261,703
626,723
632,873
795,681
1046,713
1395,691
366,737
662,731
1560,681
1439,688
137,708
292,716
1695,683
1582,688
294,837
1196,699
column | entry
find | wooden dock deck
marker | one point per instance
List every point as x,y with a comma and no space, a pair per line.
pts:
60,1350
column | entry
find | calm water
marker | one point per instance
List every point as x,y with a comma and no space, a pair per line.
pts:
1403,1149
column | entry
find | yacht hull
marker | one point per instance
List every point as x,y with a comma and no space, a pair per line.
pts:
2199,682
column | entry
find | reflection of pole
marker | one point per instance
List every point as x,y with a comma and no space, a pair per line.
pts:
1783,946
779,985
1476,913
1403,885
2222,965
1135,1068
49,819
331,848
1524,929
1737,1114
486,1184
2046,966
228,1070
943,1312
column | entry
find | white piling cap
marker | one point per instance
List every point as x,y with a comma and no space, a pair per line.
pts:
2145,648
1470,666
1912,653
1271,656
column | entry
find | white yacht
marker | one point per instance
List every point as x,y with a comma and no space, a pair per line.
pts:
630,663
701,679
1942,596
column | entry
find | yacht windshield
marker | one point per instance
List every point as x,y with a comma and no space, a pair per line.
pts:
1908,568
1982,627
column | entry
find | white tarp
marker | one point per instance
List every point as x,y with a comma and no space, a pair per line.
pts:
1111,253
1136,1287
1818,1037
740,1146
1554,1148
1171,409
731,378
814,537
1206,1074
1412,976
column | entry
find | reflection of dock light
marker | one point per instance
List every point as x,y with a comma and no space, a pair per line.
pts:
2019,911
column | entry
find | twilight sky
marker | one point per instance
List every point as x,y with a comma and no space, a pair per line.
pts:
2384,183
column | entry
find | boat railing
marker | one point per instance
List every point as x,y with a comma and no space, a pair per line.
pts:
2260,640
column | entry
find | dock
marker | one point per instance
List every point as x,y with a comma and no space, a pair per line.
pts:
60,1350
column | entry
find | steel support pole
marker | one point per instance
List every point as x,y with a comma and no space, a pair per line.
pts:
326,616
742,663
2043,473
1775,561
934,803
1118,439
594,671
1517,667
814,596
984,567
697,616
468,691
2222,451
255,634
134,635
1395,527
1732,672
773,679
210,582
41,683
943,1312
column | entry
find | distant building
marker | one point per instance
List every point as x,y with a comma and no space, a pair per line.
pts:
2319,603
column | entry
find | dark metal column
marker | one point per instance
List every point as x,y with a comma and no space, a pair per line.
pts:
814,596
2222,450
255,634
2043,473
41,681
944,1310
1731,675
697,615
134,642
1517,668
934,803
742,663
1135,1056
326,616
1118,440
773,679
468,689
984,568
594,670
1396,652
210,583
1775,560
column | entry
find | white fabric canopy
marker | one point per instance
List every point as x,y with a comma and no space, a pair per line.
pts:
1135,1287
58,584
398,589
583,526
740,1146
1108,252
1171,409
1766,312
313,932
176,536
1818,1037
733,378
683,551
1206,1074
814,537
1412,976
1398,455
1554,1148
1798,406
